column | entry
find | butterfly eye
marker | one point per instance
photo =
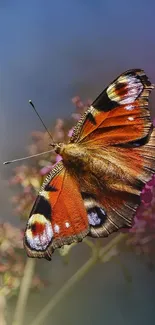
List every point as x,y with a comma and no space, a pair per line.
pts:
39,232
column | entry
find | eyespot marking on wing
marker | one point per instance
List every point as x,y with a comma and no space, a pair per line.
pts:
39,232
125,89
96,214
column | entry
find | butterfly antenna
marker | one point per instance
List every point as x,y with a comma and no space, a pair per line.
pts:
31,103
28,157
38,154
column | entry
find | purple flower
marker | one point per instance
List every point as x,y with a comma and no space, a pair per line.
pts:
76,116
70,132
45,170
146,195
58,158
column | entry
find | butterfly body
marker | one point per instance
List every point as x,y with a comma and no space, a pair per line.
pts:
95,189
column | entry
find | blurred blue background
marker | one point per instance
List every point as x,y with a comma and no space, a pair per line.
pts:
54,50
50,52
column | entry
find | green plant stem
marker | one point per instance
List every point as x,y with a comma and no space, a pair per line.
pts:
3,310
67,286
98,253
24,292
89,243
110,245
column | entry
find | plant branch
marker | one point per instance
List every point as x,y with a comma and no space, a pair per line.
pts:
105,250
67,286
3,310
97,254
24,292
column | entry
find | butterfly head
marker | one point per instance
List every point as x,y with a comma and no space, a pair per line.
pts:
57,147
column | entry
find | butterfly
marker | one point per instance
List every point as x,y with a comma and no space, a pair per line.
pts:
95,189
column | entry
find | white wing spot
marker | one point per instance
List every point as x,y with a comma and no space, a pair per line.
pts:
67,224
130,118
56,228
129,107
103,212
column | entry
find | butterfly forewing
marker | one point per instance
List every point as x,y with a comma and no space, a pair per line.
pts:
58,216
120,113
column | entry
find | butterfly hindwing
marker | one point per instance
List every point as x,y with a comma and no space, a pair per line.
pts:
58,216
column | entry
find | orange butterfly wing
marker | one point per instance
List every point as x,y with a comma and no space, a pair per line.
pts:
58,216
120,114
118,135
99,194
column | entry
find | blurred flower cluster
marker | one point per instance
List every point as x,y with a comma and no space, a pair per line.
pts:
142,234
12,262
